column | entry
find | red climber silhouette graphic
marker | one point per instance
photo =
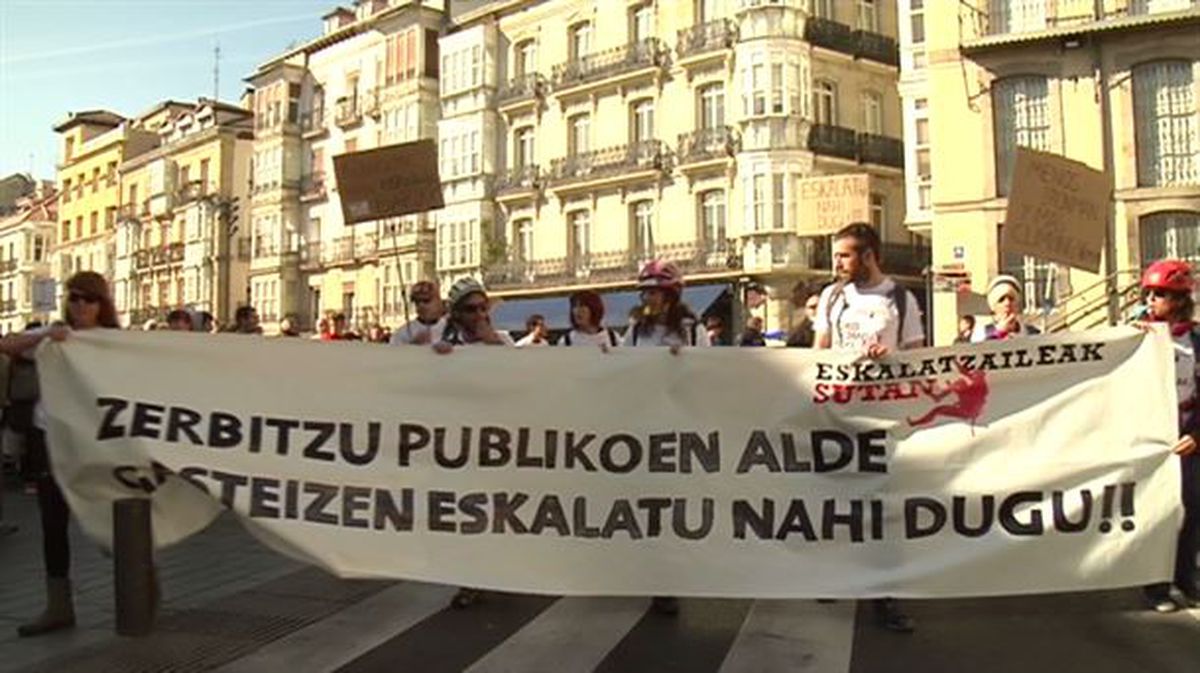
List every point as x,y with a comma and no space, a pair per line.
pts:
972,392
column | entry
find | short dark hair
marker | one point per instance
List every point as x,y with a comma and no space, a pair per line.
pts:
534,320
339,317
243,313
969,318
179,315
864,235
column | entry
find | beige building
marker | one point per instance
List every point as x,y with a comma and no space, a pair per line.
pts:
26,248
369,80
1112,83
623,131
176,243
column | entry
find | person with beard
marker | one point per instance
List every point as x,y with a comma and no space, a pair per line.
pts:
867,312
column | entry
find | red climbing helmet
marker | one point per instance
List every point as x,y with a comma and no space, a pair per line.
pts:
1172,275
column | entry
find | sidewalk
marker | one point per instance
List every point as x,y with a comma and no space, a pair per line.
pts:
210,568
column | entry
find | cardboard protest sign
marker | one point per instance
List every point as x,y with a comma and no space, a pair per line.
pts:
389,181
828,203
1057,210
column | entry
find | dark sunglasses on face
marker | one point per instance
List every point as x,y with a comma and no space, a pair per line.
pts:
76,297
422,300
473,308
1167,294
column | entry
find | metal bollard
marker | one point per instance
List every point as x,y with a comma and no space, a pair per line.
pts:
133,567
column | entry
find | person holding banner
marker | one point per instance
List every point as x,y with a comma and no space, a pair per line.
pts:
431,317
866,311
662,319
89,306
1004,298
1167,286
587,323
470,321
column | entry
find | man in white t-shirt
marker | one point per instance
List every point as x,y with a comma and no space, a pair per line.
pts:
867,312
431,317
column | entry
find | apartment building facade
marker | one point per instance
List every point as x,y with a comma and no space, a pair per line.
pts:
1114,84
176,241
27,237
369,80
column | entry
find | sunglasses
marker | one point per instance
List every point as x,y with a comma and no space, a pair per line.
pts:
1167,294
76,297
811,307
473,308
421,300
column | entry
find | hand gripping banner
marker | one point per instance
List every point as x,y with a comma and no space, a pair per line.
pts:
1031,465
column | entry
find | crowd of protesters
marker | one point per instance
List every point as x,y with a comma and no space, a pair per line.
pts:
863,310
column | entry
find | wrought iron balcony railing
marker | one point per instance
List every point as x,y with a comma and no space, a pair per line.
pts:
524,178
644,155
609,63
526,87
707,144
835,141
706,37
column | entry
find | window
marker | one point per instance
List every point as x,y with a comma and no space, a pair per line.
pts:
184,176
39,248
707,10
66,190
1168,124
456,243
825,102
776,88
872,104
916,16
523,240
95,179
65,234
712,106
110,218
758,202
712,218
580,222
1021,106
580,130
93,223
641,23
523,148
580,41
868,16
642,216
525,58
1174,235
293,109
758,84
1015,16
879,213
824,9
642,127
204,163
778,201
431,53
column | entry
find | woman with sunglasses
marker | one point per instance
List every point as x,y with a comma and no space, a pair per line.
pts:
470,321
662,319
1167,286
587,323
89,306
1004,298
431,317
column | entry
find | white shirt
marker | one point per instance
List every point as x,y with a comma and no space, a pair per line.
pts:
864,316
414,329
505,340
658,336
528,341
578,338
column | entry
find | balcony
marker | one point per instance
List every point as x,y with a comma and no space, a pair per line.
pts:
633,161
190,192
522,90
350,250
997,23
834,141
706,38
704,145
610,64
882,150
147,258
312,187
519,181
313,123
8,306
370,103
830,35
876,47
8,266
348,113
310,257
774,250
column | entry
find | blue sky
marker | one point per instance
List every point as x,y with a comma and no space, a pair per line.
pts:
126,55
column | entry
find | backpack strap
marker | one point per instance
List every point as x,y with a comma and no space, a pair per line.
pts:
567,338
612,337
839,292
900,299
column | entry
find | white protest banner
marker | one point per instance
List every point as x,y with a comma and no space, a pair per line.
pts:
1057,210
1021,466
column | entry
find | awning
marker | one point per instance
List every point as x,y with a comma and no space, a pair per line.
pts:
511,314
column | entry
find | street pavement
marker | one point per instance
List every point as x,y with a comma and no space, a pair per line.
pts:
232,605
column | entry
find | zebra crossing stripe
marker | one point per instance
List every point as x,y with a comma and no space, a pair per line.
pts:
794,636
572,636
694,641
348,634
